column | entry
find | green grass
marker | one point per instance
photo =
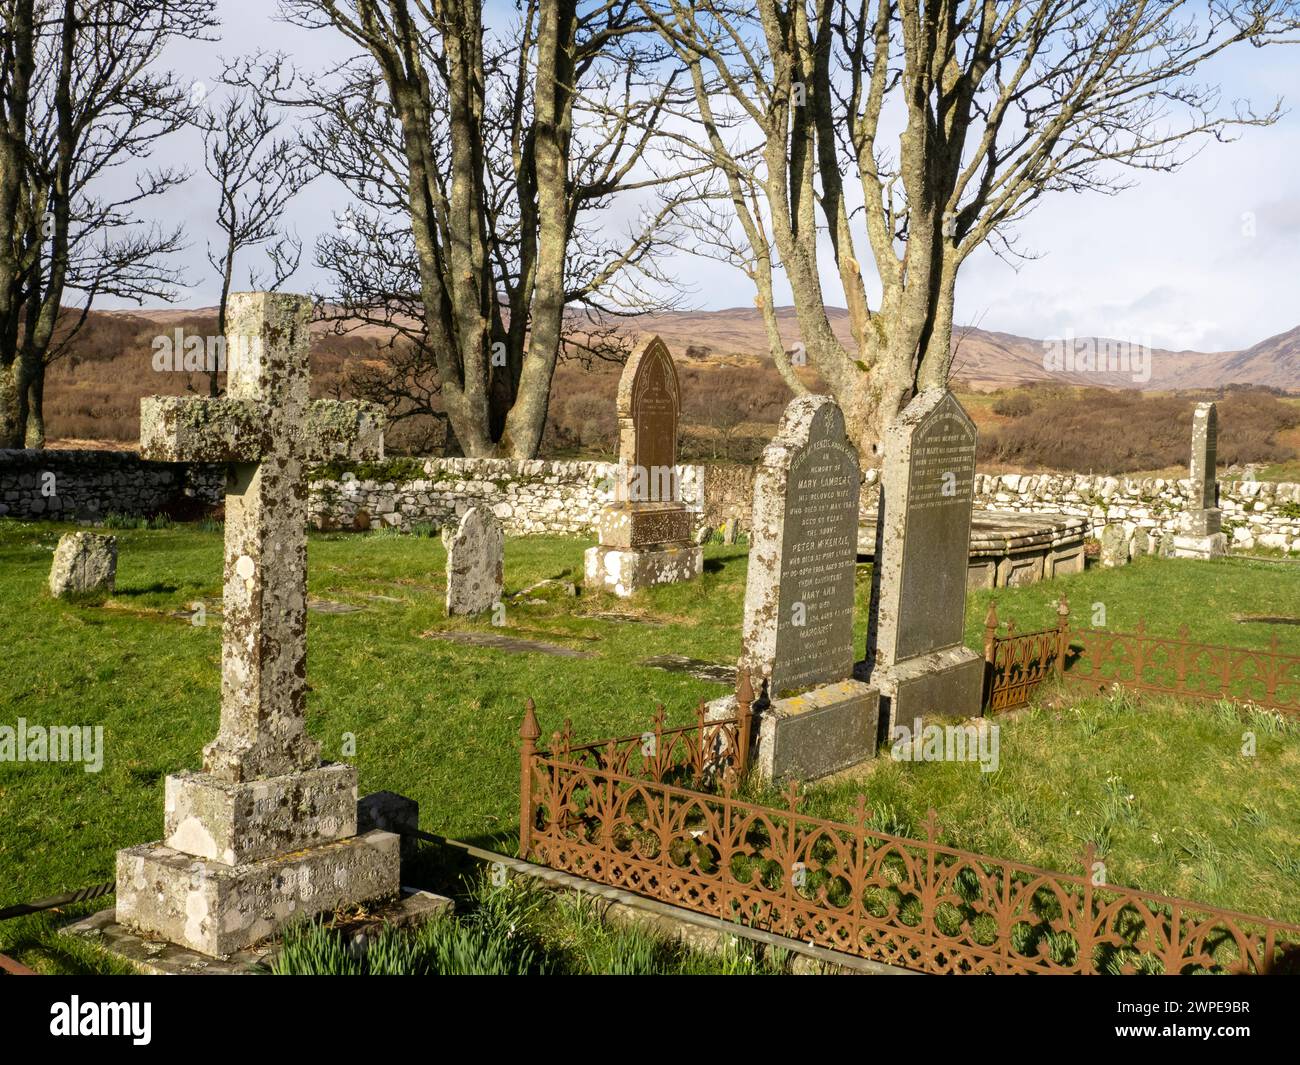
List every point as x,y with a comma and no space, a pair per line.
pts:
1160,788
516,929
439,721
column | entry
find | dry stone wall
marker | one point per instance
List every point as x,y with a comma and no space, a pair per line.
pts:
559,497
89,485
529,497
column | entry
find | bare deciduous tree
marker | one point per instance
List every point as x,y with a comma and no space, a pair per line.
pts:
257,174
83,98
990,106
494,152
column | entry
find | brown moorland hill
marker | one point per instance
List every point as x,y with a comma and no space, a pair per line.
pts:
732,393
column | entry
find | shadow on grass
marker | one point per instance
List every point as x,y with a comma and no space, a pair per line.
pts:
157,588
35,942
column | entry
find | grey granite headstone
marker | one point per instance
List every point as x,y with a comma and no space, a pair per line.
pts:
813,717
84,564
1205,450
475,561
915,652
798,624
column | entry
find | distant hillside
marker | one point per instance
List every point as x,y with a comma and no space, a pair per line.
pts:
989,360
729,383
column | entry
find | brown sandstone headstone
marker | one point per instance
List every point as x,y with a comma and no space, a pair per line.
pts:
646,535
654,408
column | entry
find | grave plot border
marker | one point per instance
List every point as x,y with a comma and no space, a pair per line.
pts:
1094,660
657,815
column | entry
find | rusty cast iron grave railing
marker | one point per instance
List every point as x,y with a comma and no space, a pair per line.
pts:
657,814
1095,659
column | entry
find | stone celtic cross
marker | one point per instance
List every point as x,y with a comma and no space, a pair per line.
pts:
268,431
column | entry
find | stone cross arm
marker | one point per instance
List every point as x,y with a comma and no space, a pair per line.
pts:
196,429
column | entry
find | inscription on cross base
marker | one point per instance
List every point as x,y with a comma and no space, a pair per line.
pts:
268,431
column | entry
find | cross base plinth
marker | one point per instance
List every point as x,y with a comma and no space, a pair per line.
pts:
625,570
1202,547
220,909
236,823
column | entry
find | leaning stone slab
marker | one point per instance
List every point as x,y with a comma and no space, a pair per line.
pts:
218,909
475,562
84,563
1114,546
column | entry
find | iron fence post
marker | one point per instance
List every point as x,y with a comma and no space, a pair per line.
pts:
744,701
1063,631
528,733
990,654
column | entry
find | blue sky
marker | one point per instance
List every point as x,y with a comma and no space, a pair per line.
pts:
1205,258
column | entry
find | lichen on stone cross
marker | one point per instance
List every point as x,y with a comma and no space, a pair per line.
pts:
268,431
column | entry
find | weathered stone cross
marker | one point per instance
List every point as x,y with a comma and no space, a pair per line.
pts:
268,430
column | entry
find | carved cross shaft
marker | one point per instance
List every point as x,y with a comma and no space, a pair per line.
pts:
268,431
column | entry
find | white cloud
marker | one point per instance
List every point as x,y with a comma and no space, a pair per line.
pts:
1172,260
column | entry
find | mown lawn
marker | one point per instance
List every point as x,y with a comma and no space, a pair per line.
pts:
438,721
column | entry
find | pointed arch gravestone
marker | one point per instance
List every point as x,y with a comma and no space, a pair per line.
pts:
813,716
915,650
265,833
645,534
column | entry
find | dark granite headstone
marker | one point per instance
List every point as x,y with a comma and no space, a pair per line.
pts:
936,532
919,576
799,595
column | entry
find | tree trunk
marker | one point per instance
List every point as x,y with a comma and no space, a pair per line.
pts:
20,56
552,96
36,411
213,390
10,436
